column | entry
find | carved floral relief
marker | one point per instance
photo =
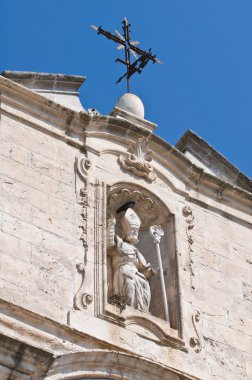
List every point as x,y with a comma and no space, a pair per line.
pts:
138,159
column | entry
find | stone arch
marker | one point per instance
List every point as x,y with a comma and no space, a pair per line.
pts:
107,364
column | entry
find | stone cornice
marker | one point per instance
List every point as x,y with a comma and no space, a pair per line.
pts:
75,128
193,143
58,341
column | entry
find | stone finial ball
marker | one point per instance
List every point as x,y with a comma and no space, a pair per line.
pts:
131,103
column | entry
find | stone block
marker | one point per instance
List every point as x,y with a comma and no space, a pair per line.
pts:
231,266
216,244
22,230
215,313
24,251
15,294
30,177
225,362
16,207
24,195
223,334
54,225
9,244
54,263
13,151
241,323
18,272
27,137
58,244
52,168
241,306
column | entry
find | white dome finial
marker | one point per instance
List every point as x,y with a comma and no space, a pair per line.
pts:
132,104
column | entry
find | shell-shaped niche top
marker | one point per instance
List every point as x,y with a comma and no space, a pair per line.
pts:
144,207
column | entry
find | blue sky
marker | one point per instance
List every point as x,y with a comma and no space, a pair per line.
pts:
205,83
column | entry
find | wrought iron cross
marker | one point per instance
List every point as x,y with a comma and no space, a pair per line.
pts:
142,57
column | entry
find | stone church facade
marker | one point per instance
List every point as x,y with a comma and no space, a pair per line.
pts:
87,204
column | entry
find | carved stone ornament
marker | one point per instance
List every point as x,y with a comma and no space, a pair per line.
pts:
138,159
188,214
195,342
83,165
144,207
82,299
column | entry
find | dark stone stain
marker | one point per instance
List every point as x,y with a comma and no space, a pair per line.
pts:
17,358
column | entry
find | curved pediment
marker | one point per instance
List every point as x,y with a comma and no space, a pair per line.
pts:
98,133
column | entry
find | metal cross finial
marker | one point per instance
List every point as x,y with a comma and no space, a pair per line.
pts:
142,57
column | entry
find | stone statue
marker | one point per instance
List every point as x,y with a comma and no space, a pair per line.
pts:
130,269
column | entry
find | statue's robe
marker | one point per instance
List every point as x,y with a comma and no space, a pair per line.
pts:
130,270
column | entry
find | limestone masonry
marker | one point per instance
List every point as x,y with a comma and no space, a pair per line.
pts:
91,207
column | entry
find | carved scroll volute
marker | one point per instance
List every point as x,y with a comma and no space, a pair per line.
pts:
195,342
187,212
82,299
138,159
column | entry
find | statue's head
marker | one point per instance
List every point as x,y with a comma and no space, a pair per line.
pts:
131,224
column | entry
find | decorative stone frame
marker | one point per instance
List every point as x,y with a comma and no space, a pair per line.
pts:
144,324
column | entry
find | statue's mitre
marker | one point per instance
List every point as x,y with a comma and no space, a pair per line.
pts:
131,219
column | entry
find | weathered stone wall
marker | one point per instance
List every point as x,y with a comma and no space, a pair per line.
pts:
39,239
57,168
219,286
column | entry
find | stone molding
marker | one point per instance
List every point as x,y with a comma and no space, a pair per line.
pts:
122,114
208,157
110,365
35,111
56,341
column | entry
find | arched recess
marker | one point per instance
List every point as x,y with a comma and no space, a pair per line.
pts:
106,364
152,211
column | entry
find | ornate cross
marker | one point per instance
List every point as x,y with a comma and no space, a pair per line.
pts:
142,57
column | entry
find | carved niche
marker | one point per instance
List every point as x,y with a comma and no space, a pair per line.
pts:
138,159
151,211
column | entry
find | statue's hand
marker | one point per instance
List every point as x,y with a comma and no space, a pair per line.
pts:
148,271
